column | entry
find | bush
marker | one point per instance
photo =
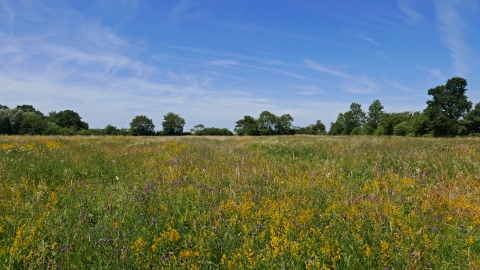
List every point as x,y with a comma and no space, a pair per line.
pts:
401,129
357,131
380,131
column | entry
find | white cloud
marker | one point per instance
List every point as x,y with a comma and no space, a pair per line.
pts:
349,83
412,16
452,25
369,40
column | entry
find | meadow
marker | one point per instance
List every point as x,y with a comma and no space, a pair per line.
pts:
286,202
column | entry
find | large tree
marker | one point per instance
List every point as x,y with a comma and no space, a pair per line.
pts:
266,123
173,124
142,125
246,126
33,123
472,120
448,105
10,121
337,127
67,119
374,116
283,125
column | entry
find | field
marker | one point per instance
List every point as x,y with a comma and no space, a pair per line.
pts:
290,202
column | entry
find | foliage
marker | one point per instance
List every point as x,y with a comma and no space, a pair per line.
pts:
472,120
390,120
246,126
357,131
110,130
173,124
213,131
33,123
349,120
380,131
237,203
314,129
449,104
196,128
402,129
374,116
10,121
141,125
67,119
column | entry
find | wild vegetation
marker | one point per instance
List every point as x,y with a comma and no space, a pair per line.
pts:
291,202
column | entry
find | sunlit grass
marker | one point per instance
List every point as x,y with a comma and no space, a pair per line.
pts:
266,202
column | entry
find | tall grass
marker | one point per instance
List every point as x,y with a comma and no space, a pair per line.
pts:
272,202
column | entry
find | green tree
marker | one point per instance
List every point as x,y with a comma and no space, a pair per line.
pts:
313,129
29,108
10,121
266,123
213,131
472,120
247,126
173,124
449,104
283,125
110,130
67,119
339,126
374,116
197,128
390,120
142,125
419,124
33,123
319,127
355,117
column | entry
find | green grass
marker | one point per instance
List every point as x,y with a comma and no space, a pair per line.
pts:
294,202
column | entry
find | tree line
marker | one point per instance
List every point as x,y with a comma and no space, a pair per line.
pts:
448,114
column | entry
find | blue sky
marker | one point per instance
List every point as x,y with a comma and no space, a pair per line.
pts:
213,62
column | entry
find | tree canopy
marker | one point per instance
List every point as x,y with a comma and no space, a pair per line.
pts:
173,124
448,105
142,125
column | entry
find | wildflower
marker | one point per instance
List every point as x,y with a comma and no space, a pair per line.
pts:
64,249
260,226
215,228
154,220
429,265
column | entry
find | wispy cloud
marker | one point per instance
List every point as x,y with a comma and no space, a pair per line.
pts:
349,83
369,40
312,65
452,25
412,16
9,11
224,63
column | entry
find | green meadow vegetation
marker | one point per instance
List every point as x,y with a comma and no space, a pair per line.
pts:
281,202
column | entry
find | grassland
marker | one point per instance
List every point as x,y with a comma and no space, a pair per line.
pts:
263,203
